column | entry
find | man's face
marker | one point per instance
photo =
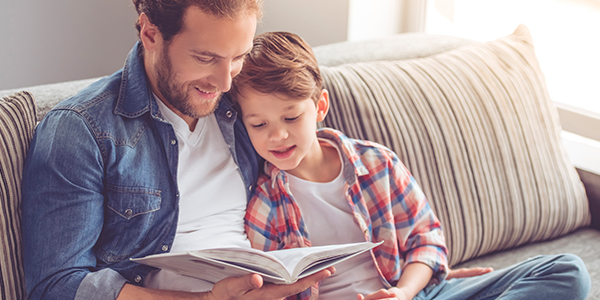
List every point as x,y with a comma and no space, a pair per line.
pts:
198,64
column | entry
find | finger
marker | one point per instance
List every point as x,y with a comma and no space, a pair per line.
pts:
380,294
285,290
236,286
256,281
244,284
314,278
307,282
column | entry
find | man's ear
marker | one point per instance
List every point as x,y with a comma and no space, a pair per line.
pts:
322,105
149,33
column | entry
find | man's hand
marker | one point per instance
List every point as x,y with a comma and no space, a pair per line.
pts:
468,272
251,287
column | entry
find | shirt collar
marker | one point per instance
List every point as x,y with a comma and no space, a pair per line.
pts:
135,98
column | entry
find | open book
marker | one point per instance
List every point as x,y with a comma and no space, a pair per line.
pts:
281,266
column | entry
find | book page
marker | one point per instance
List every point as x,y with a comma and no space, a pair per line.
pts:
257,260
329,256
281,266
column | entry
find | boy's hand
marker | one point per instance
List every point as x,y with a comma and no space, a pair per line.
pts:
401,294
383,294
251,287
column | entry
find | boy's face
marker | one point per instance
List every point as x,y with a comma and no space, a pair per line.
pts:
283,130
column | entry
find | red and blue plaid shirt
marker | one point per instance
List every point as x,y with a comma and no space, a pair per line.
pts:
387,203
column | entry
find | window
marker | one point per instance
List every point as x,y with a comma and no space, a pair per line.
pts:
566,36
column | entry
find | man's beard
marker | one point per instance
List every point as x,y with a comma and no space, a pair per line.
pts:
177,93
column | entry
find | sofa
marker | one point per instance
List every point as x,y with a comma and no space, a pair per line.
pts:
473,122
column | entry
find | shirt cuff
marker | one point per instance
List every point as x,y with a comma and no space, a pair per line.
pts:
434,257
105,284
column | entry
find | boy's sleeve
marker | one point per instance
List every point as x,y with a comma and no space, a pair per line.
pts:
261,225
260,218
419,232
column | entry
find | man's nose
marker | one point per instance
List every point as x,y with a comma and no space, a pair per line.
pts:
221,77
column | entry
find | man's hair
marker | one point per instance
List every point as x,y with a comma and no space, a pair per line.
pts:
167,15
282,63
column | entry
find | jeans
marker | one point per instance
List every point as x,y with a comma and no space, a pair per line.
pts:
542,277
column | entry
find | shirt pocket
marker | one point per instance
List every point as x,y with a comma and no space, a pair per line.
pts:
128,218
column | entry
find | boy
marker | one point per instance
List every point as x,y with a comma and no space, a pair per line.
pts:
341,190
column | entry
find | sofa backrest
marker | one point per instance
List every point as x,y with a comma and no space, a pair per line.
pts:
475,126
17,122
48,95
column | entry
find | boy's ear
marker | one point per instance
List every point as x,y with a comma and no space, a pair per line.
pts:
149,33
322,105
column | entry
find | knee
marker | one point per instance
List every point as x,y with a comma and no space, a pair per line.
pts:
574,273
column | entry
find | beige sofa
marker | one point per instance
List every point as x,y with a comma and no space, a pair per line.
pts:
473,122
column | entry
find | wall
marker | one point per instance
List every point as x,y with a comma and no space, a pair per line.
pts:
374,19
318,22
53,41
331,21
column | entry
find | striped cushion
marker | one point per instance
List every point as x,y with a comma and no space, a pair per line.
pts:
477,129
17,122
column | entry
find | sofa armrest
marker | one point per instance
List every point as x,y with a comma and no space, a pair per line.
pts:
591,181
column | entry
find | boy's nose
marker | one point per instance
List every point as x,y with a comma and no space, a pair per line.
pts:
278,134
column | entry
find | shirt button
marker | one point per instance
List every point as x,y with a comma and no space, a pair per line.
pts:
250,188
165,248
138,278
128,213
229,114
173,142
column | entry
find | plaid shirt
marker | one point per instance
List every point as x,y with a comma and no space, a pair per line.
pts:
387,203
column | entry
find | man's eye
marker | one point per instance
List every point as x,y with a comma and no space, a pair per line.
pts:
204,60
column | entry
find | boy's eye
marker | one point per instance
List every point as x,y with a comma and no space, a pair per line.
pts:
292,119
257,125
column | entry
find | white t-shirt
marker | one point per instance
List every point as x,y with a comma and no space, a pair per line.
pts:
212,201
330,220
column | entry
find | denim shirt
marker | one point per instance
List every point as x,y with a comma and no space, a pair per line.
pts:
100,187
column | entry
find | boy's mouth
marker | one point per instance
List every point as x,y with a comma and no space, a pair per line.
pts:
283,152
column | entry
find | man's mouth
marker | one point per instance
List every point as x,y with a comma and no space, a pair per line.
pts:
283,152
207,93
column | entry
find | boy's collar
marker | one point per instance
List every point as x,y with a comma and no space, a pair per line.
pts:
352,164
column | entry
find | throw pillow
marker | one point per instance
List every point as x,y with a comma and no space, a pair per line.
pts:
476,127
17,123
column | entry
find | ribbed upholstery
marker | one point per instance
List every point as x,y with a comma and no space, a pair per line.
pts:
477,129
17,122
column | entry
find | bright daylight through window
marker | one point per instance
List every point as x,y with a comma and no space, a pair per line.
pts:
566,36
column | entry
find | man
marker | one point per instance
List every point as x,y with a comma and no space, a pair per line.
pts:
151,159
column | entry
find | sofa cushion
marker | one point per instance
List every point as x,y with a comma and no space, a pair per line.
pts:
17,123
477,129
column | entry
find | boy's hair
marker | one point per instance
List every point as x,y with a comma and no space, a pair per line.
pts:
282,63
167,15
